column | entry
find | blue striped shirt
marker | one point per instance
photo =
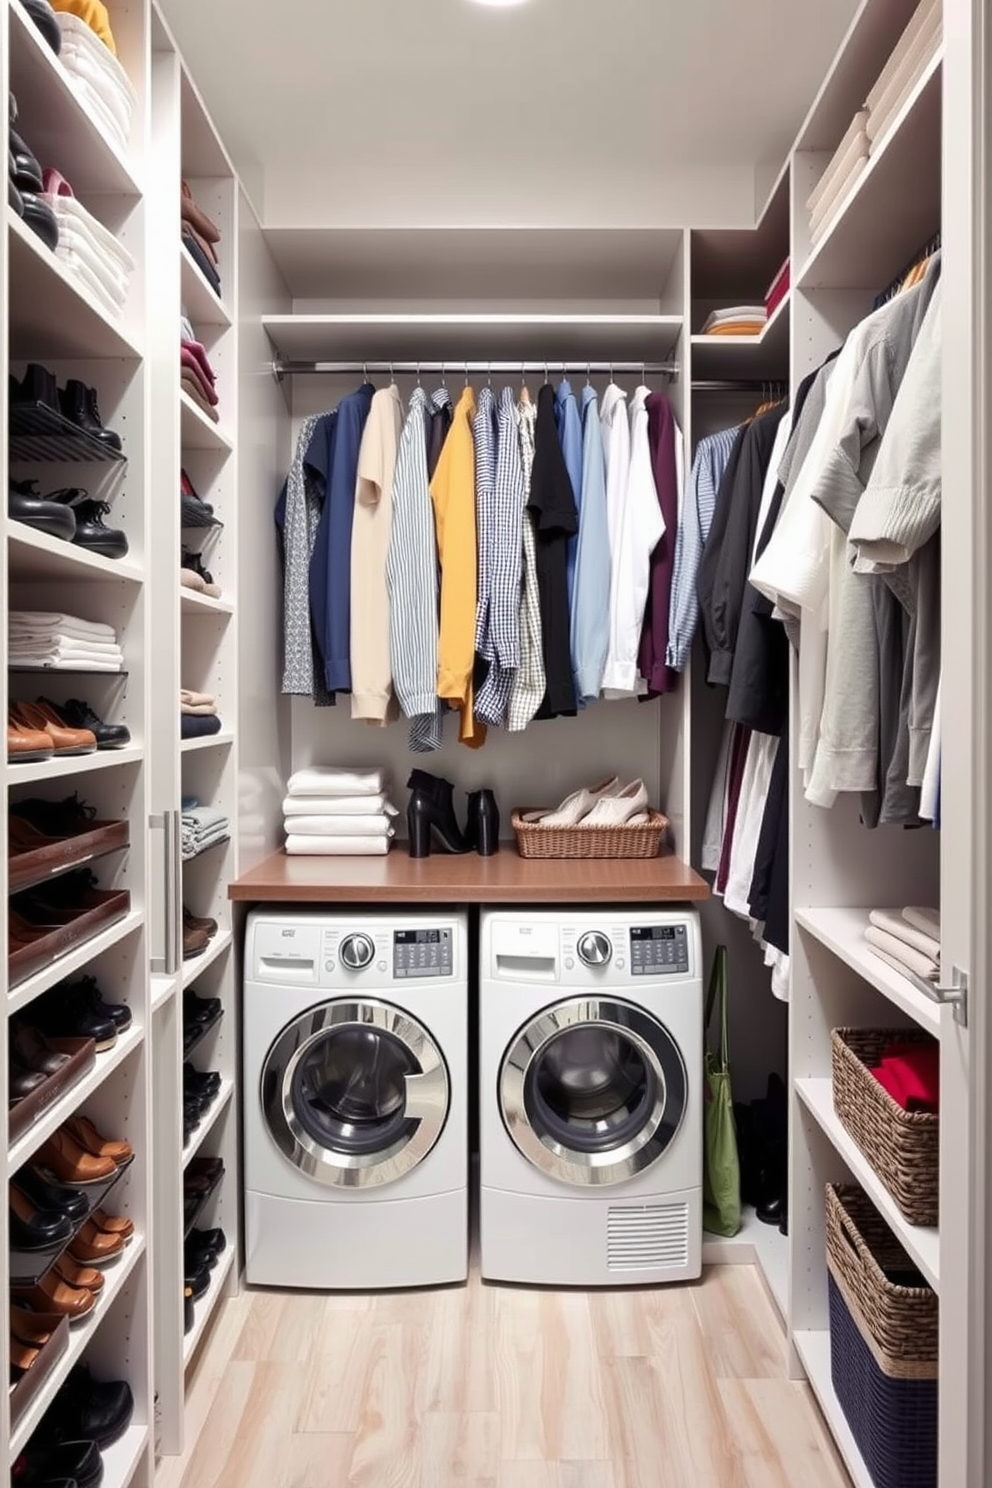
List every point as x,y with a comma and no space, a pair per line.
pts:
711,459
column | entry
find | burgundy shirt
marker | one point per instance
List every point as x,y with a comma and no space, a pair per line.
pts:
662,434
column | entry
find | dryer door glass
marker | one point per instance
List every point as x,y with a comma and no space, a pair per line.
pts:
593,1092
355,1094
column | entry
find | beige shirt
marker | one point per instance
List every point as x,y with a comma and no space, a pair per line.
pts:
371,674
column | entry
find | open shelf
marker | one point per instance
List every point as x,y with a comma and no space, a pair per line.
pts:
76,959
36,434
78,764
921,1242
20,1151
36,555
121,1458
880,223
201,304
766,355
212,741
197,964
814,1353
204,1309
117,1276
51,313
842,932
192,602
54,120
163,987
209,1121
197,431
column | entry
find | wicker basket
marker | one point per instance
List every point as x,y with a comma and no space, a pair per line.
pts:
902,1146
883,1344
536,841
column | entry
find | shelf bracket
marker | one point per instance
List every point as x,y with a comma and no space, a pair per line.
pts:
953,996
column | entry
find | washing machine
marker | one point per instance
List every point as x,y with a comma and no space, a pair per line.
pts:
591,1070
356,1099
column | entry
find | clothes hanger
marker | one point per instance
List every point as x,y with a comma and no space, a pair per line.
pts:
524,389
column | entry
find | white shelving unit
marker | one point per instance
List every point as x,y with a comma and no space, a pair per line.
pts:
842,932
814,1354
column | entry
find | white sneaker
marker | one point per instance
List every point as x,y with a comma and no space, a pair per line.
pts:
620,807
576,806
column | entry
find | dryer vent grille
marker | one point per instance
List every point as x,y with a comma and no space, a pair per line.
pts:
647,1237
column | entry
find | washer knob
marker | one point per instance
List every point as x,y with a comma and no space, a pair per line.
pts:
357,952
595,948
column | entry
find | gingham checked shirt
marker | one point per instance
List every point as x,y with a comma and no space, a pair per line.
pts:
500,640
527,692
711,459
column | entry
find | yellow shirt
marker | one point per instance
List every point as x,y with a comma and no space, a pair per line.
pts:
453,495
96,16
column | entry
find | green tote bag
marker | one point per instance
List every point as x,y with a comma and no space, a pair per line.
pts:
721,1168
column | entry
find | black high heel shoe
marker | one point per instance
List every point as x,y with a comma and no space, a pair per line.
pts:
430,813
482,829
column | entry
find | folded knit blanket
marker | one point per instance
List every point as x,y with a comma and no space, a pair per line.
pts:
893,923
905,957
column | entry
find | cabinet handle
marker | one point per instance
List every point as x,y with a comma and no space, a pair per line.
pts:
954,995
169,822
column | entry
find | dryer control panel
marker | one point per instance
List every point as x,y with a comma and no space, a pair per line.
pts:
421,953
657,949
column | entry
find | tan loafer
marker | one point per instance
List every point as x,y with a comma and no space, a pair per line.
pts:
86,1134
65,741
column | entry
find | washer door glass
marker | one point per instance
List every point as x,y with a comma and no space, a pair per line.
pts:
355,1093
592,1092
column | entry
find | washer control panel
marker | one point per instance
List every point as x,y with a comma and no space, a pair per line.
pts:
422,953
659,949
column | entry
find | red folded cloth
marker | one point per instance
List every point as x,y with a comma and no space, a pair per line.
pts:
191,367
777,290
911,1075
198,352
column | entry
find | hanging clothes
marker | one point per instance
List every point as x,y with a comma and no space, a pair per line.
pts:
500,640
529,685
590,638
371,671
570,437
440,423
664,441
330,565
641,529
712,457
453,496
552,504
298,517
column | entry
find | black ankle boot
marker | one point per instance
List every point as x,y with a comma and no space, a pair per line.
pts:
482,828
430,813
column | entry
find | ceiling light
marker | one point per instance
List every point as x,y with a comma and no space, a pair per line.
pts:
500,4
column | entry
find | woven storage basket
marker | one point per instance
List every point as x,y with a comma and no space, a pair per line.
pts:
535,841
902,1146
883,1344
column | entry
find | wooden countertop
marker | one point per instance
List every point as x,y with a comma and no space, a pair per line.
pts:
444,879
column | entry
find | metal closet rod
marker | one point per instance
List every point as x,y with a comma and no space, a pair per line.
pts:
739,385
281,368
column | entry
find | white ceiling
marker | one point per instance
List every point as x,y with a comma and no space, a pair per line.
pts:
636,113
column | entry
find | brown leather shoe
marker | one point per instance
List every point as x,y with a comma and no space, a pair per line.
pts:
27,745
65,740
34,1328
195,942
86,1134
87,1277
53,1295
113,1224
71,1163
93,1246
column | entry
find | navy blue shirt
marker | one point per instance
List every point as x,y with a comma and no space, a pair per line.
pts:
333,455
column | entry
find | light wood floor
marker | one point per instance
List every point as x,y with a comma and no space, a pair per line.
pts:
501,1388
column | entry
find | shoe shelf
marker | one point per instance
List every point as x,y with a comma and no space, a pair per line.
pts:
21,1150
204,1309
197,964
193,603
163,987
219,1105
204,1030
920,1241
55,121
813,1349
212,741
76,764
199,432
51,314
202,305
122,1457
81,1334
842,932
36,555
28,1267
72,962
36,434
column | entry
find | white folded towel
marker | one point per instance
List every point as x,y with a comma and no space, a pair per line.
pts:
339,826
20,645
923,918
328,780
904,955
55,663
339,805
39,620
893,923
337,847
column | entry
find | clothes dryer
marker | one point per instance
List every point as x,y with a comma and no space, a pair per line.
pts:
356,1099
591,1071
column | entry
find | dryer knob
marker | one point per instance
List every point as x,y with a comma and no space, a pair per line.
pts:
595,948
357,952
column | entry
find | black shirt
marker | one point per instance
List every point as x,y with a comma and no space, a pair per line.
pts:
552,502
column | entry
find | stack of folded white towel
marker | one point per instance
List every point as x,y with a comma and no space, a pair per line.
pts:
906,940
331,812
846,165
203,827
64,643
92,253
97,77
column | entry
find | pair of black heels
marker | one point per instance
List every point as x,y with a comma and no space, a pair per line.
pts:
430,816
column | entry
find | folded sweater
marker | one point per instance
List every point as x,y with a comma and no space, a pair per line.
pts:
903,955
891,921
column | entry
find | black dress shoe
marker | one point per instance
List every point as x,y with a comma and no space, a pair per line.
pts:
198,1282
14,199
197,1255
44,1463
25,505
58,1197
32,1228
189,1313
430,815
200,1083
58,1012
40,218
79,405
482,828
27,172
36,386
214,1240
76,713
22,1082
86,1409
44,18
87,990
91,530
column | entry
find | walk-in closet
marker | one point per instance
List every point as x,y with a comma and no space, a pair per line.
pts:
496,611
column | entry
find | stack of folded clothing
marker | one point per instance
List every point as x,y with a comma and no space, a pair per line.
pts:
910,1073
195,373
199,238
203,827
195,511
198,714
87,248
736,320
916,49
846,165
64,643
777,290
908,940
96,76
338,813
